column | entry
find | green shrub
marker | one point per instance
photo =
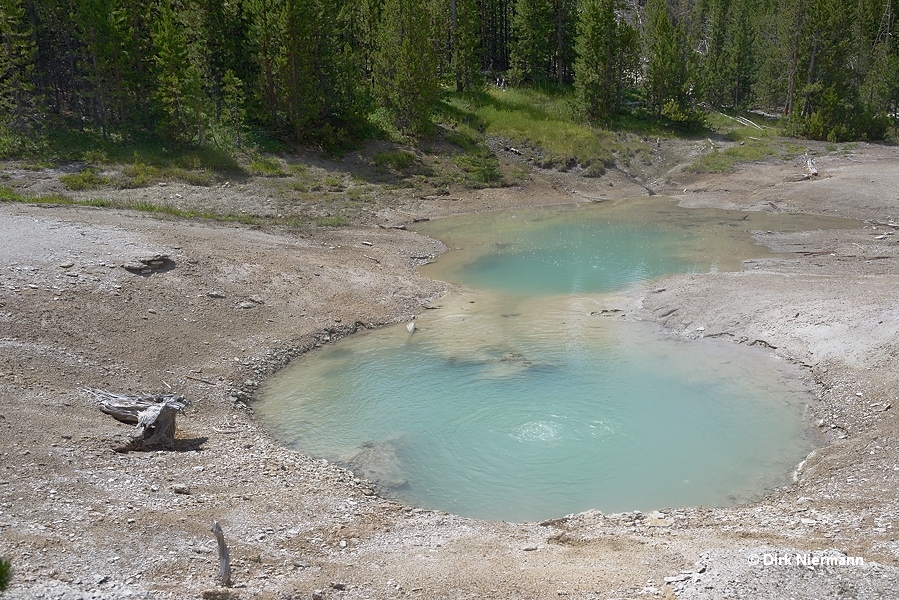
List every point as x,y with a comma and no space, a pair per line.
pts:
88,179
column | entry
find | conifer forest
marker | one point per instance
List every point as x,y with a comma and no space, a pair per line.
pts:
322,72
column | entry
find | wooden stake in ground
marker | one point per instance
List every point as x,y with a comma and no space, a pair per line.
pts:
153,415
224,557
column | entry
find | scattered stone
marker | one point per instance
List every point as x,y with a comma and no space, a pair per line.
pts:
318,595
219,594
246,305
180,488
215,294
147,265
337,585
529,548
67,265
410,327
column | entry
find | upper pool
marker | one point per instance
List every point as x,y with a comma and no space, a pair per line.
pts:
514,402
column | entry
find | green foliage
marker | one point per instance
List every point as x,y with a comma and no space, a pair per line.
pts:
5,574
17,53
397,160
543,33
141,174
266,166
405,71
544,124
718,161
606,55
465,41
88,179
230,131
730,64
532,49
183,106
245,76
481,167
669,83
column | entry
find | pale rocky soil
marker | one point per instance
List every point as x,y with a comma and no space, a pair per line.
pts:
78,520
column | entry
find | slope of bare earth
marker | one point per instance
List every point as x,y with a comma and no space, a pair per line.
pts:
234,303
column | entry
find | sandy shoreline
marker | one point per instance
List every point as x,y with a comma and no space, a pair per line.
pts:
79,521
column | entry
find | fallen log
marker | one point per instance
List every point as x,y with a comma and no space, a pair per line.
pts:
152,414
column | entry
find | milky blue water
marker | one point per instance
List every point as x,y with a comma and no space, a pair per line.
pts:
520,400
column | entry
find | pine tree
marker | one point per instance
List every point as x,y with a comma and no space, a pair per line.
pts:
597,79
405,72
266,24
662,51
103,31
232,112
532,47
180,98
465,42
17,50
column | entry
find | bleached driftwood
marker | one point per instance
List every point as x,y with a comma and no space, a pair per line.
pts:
152,414
224,557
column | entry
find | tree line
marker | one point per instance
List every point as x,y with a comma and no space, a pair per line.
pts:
322,71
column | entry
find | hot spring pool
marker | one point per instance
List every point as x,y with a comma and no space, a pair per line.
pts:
514,402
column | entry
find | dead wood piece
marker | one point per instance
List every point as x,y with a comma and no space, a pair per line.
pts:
152,415
224,557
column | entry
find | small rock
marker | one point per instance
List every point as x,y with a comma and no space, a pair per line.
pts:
337,585
67,265
410,327
246,305
318,595
215,294
529,548
219,594
180,488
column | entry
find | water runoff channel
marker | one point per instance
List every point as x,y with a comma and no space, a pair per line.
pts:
513,402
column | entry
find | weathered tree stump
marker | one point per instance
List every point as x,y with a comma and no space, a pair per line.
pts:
152,414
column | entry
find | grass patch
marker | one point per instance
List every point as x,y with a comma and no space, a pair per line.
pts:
88,179
399,160
8,195
142,174
717,161
332,221
544,123
266,166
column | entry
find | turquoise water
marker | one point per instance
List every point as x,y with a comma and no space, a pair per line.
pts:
514,402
